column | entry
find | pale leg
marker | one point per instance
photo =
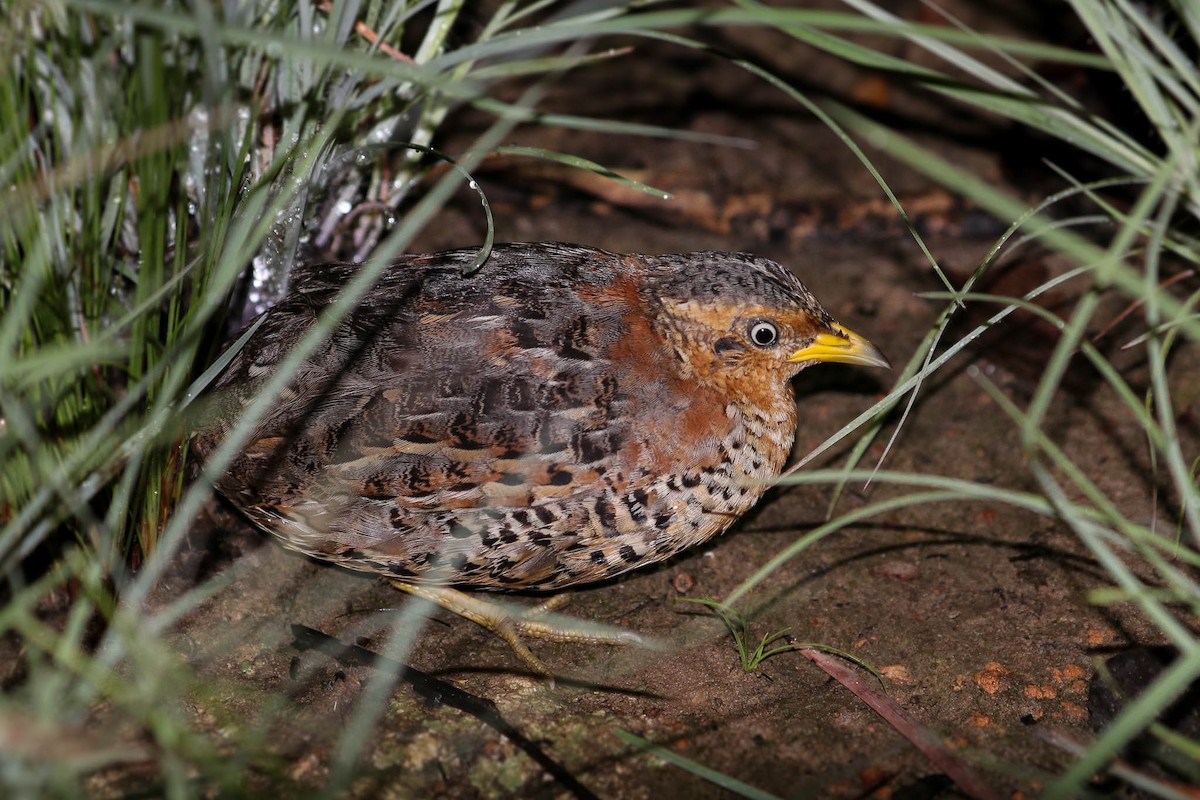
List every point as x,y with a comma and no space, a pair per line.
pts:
515,628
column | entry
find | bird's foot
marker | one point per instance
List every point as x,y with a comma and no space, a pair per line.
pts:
515,627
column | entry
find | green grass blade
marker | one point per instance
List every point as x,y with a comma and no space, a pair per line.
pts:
729,784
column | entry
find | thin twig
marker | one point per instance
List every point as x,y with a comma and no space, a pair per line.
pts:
365,31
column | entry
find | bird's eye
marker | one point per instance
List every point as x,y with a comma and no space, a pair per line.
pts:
763,334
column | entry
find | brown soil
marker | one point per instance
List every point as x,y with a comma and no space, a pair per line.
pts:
977,614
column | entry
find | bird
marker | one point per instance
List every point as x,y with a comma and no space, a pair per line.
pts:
558,416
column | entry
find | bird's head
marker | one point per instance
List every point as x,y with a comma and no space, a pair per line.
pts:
746,325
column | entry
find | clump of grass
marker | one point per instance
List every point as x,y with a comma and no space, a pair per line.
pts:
1136,242
752,654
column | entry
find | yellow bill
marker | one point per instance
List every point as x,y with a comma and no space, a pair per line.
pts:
843,346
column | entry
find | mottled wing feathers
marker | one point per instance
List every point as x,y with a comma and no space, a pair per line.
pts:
437,393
